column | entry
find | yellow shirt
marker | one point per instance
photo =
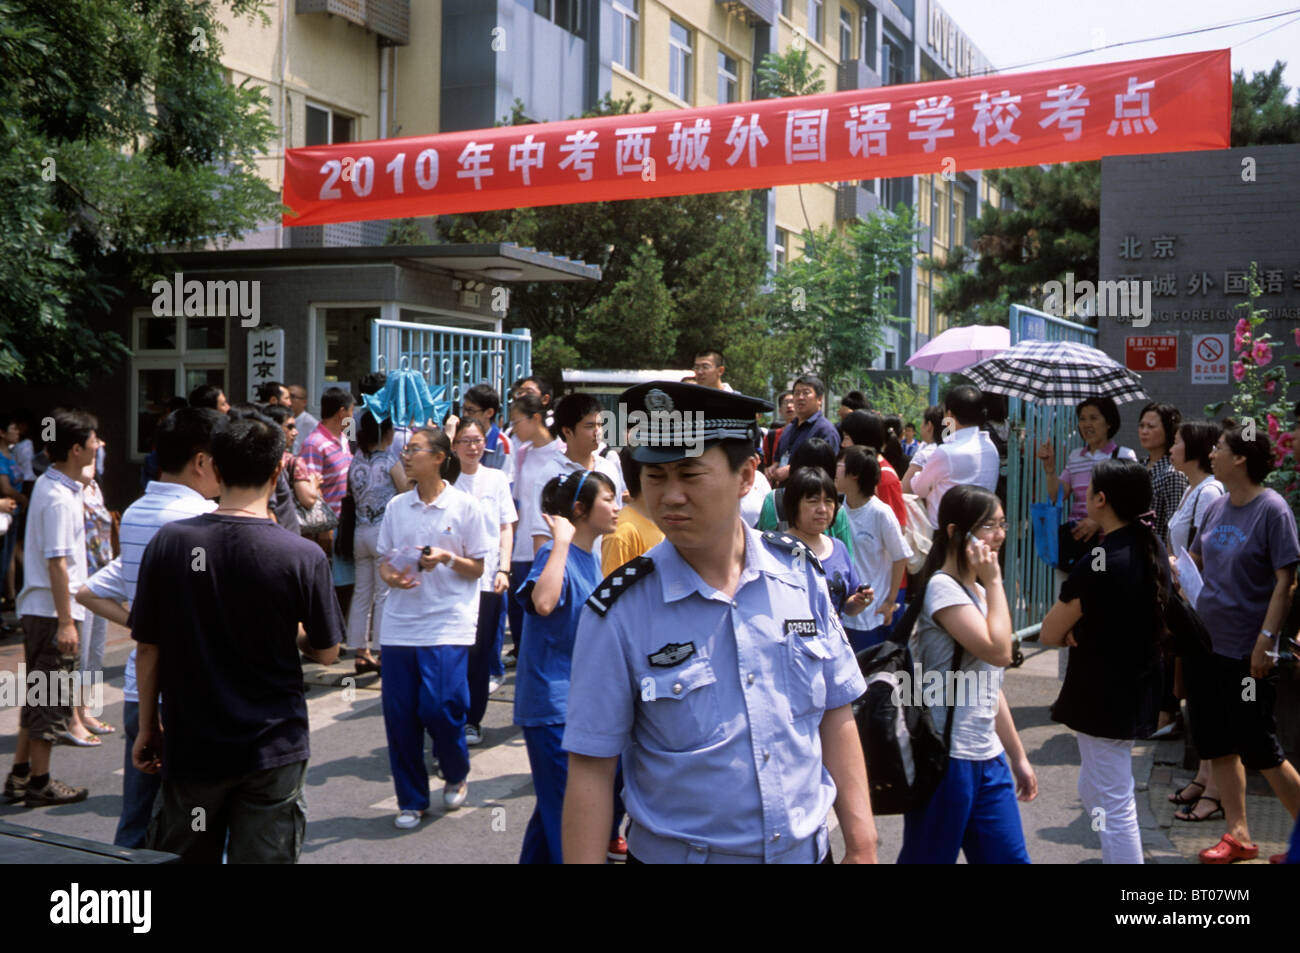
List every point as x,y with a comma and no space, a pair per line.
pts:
635,535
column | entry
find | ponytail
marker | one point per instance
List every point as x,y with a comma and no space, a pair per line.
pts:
562,494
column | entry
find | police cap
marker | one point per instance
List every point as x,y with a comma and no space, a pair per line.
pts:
668,420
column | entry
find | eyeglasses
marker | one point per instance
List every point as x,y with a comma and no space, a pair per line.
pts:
990,526
703,367
804,393
408,450
475,442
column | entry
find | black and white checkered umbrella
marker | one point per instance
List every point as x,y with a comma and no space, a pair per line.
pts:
1056,372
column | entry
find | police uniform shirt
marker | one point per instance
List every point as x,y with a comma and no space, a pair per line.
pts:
714,703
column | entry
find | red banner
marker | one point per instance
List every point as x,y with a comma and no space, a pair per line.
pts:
1162,104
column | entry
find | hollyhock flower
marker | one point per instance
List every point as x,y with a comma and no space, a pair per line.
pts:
1270,387
1263,354
1238,371
1297,337
1273,428
1241,337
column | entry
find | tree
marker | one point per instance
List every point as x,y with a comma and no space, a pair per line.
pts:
837,299
679,274
790,74
1054,224
120,138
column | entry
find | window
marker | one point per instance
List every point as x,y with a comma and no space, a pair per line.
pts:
566,14
941,213
923,199
817,20
325,126
922,302
893,67
779,248
679,61
626,19
170,357
958,217
728,79
846,35
785,8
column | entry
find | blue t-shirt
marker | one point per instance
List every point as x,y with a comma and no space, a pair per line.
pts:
10,469
546,649
841,578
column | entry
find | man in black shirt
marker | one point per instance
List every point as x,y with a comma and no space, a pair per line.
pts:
217,616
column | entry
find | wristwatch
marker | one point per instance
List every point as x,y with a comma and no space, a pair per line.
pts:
1271,636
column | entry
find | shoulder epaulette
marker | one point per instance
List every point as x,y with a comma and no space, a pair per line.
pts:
618,582
792,545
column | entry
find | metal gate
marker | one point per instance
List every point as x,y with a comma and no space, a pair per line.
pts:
454,358
1031,583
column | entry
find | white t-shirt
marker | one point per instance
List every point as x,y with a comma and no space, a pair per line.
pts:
443,608
528,494
56,526
1196,500
553,466
877,543
491,488
974,728
751,504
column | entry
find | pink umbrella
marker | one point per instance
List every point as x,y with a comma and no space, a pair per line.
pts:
958,348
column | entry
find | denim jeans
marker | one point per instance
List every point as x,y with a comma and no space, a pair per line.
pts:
138,789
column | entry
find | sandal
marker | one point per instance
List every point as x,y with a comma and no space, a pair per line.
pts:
68,738
1180,796
1191,815
363,666
97,727
1227,850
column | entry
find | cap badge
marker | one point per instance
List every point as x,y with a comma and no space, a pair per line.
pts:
657,400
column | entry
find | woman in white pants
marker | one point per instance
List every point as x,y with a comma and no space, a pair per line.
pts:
1111,614
372,483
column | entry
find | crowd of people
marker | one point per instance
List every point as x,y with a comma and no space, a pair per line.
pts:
266,535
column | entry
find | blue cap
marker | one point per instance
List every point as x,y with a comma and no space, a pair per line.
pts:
669,421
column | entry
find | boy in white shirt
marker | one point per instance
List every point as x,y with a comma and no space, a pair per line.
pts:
880,552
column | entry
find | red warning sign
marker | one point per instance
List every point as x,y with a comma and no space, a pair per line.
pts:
1151,352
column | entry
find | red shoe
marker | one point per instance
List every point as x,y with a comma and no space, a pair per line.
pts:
1227,850
617,849
1278,858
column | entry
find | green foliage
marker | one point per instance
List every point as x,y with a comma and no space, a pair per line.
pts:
788,74
1055,225
837,299
893,395
679,274
405,231
1259,391
120,137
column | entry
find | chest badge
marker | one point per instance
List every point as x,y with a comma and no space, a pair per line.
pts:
674,653
805,627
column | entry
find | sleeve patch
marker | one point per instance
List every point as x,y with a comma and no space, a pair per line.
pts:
618,582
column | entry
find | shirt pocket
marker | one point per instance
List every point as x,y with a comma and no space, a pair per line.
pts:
807,675
680,705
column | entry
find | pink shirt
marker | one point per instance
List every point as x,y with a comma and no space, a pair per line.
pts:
329,456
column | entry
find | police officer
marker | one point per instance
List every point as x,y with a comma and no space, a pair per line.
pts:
715,665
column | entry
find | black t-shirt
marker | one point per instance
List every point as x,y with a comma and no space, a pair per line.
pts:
1113,680
222,597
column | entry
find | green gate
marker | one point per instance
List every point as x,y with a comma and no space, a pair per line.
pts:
1031,583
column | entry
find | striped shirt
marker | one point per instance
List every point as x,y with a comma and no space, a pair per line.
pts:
1078,473
329,456
161,504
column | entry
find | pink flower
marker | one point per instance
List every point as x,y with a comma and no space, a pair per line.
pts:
1238,371
1241,337
1273,427
1297,337
1263,354
1270,387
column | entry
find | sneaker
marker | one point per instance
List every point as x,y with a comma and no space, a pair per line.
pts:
54,792
15,788
473,736
406,820
617,849
509,659
493,685
455,797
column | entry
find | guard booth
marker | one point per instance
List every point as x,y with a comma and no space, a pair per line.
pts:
1031,583
452,359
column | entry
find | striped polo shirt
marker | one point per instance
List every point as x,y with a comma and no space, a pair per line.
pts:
161,504
1078,473
329,456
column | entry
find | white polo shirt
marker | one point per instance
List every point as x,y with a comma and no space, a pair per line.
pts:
530,519
56,526
443,608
